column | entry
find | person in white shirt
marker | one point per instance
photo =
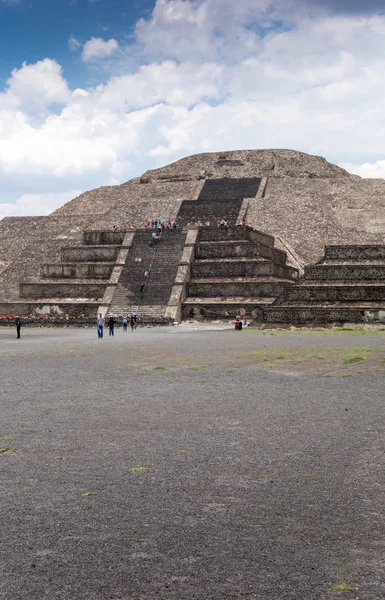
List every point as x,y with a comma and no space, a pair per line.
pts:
100,325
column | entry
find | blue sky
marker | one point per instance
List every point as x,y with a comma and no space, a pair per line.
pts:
96,92
35,29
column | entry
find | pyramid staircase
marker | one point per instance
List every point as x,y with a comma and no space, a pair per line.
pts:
346,286
236,271
161,261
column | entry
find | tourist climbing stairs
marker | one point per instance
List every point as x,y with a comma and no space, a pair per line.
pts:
161,260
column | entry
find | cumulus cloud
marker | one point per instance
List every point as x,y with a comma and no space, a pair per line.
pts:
36,204
35,87
371,170
97,48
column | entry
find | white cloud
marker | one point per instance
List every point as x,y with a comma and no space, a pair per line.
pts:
36,204
370,170
35,87
221,80
97,48
73,43
184,84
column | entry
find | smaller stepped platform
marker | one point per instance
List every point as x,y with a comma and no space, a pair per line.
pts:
236,270
346,286
76,285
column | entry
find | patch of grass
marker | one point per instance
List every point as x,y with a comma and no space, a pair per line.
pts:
86,494
7,450
159,369
354,359
266,475
229,371
6,438
342,587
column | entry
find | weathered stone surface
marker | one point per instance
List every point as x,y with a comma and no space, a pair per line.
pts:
347,285
302,200
246,163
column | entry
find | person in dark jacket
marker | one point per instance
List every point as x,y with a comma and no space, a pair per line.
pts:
18,327
111,325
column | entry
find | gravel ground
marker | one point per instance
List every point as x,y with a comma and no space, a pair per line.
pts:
192,462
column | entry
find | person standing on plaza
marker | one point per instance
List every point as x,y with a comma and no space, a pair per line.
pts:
100,325
111,325
18,327
124,324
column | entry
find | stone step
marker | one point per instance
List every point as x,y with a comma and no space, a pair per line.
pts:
240,286
241,248
225,308
88,270
357,272
214,234
358,252
90,253
90,289
104,237
234,300
225,189
149,314
364,262
303,314
241,267
337,292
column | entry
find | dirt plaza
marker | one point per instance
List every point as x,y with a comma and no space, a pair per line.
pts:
192,462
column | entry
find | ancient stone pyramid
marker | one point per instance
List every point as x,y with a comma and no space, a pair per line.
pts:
72,262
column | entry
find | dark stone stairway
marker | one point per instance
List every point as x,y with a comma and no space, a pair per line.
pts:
162,261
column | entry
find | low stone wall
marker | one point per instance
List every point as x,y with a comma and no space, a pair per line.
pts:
343,272
231,289
334,293
104,238
356,252
287,315
90,253
62,290
211,311
54,312
78,270
241,268
243,248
